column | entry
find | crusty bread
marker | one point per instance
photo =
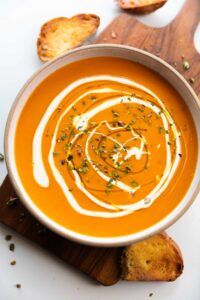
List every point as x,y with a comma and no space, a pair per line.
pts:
155,259
141,6
61,34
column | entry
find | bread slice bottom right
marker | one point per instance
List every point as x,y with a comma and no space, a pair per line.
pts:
156,259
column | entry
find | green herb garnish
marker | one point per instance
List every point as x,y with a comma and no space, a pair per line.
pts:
93,98
127,169
72,133
191,80
140,109
186,65
71,166
134,184
161,130
109,185
128,127
12,247
118,165
63,136
150,294
97,151
115,176
116,146
115,113
1,157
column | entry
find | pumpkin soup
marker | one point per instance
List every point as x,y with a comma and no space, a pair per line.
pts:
106,147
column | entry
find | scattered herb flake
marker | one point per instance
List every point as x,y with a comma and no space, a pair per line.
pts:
150,294
93,123
134,184
120,124
71,167
93,98
18,286
72,133
128,127
97,151
115,175
55,154
161,130
12,247
140,109
63,136
116,146
11,202
127,169
115,113
186,65
109,185
191,80
1,157
118,165
8,237
62,162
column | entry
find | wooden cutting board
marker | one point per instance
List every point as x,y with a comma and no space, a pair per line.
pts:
172,43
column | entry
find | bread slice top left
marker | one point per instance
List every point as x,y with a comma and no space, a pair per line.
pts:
61,34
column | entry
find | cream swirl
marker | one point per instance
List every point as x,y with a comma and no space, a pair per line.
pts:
82,124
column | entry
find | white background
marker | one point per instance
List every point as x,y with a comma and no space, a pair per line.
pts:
41,275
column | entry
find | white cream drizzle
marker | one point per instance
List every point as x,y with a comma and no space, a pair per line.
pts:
81,123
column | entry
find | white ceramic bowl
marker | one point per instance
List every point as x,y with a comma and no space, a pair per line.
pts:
133,54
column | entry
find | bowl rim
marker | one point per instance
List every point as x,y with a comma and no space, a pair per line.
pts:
54,226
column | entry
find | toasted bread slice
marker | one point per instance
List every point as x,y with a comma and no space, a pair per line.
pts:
155,259
61,34
141,6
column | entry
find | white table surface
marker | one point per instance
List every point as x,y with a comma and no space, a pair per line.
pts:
41,275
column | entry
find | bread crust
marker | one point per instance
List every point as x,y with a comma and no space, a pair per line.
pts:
141,6
158,258
61,34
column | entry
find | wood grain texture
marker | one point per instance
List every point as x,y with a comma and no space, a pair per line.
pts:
170,43
101,264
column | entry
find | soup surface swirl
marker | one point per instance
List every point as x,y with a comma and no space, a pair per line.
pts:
109,148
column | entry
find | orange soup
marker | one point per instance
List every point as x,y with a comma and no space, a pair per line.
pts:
106,147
